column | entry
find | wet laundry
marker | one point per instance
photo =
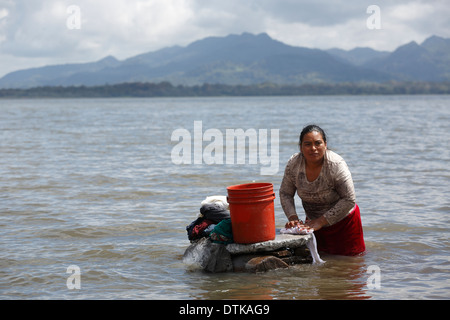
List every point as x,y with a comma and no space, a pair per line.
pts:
311,244
199,228
213,210
222,232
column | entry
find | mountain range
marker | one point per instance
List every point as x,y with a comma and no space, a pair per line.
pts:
249,59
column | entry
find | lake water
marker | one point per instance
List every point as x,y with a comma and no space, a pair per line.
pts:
92,183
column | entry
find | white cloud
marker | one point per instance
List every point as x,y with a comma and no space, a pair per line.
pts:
411,12
122,25
3,13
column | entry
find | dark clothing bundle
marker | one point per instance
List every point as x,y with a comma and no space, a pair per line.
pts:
199,228
214,212
210,215
222,232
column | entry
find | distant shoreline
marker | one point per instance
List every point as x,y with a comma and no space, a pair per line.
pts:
166,89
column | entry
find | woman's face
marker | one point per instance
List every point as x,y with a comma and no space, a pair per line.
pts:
313,147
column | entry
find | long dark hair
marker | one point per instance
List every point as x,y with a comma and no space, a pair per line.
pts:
311,128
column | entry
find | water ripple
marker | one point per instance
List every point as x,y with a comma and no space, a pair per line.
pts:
91,183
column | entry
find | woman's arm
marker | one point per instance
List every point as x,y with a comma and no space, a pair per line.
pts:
343,184
287,193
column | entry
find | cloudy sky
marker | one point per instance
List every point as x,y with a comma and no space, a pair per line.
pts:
40,32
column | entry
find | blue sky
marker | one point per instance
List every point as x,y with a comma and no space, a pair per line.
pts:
34,33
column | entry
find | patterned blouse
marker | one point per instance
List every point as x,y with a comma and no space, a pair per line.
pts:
331,195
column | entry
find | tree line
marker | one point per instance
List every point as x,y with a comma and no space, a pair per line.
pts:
166,89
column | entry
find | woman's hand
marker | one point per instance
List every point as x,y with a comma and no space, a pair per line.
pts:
317,224
293,223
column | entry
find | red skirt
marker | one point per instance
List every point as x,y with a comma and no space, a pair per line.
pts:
343,238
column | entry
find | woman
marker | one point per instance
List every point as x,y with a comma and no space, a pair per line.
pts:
323,181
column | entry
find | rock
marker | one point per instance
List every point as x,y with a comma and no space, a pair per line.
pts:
280,241
302,252
281,252
197,253
239,261
297,260
219,260
265,263
211,257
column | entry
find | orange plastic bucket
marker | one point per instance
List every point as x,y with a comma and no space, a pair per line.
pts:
252,212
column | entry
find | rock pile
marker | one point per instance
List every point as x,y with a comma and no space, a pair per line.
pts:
285,250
